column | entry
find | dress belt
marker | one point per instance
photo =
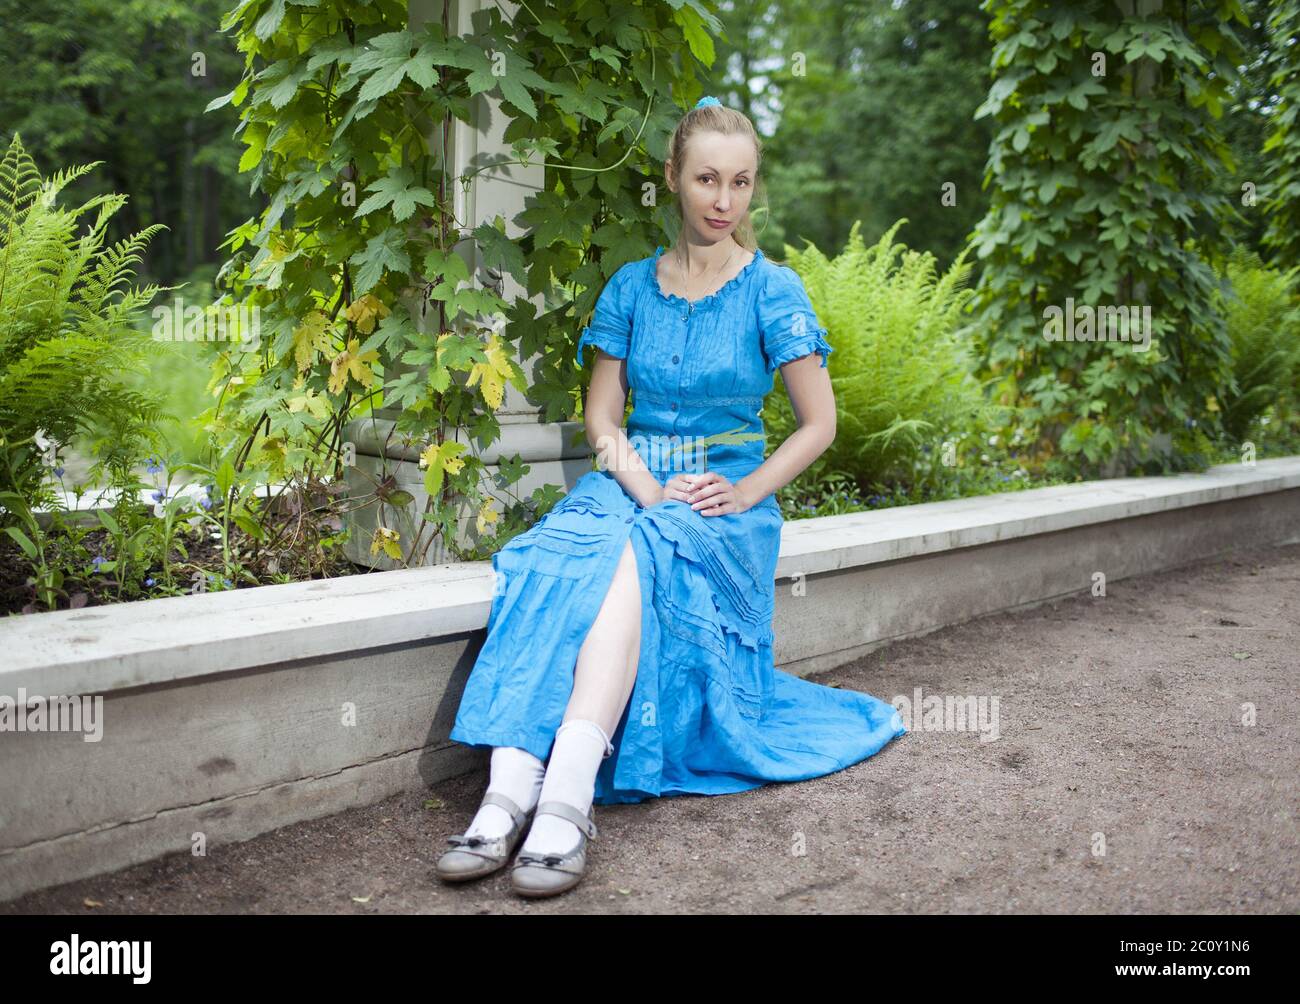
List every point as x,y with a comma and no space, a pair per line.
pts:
704,402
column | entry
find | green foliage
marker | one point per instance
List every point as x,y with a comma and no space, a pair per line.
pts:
901,366
1263,315
125,82
66,328
867,111
1105,191
1246,125
368,301
1282,148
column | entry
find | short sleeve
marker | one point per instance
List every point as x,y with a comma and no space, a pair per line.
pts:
611,322
787,323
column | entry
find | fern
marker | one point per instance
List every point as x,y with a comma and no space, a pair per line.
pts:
67,322
1263,316
900,369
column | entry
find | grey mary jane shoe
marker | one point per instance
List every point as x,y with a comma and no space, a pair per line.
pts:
474,857
536,875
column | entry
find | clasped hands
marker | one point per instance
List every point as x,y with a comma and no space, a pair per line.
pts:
709,494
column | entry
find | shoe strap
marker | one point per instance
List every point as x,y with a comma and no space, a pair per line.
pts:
507,803
585,824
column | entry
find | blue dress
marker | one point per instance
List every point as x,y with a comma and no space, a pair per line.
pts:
709,713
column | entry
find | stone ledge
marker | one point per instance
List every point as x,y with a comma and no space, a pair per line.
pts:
108,648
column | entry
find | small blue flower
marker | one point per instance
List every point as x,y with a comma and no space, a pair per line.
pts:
205,499
99,559
155,466
58,472
148,582
157,496
228,583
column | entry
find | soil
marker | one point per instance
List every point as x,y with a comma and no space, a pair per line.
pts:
1124,781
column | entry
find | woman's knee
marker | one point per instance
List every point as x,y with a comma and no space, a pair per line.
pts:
622,599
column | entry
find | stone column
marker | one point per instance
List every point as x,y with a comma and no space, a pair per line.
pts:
543,446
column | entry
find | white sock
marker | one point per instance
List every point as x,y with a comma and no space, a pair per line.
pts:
580,746
518,775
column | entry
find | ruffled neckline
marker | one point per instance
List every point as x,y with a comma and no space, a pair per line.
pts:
703,301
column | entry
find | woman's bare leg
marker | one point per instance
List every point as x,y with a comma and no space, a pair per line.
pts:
607,661
602,682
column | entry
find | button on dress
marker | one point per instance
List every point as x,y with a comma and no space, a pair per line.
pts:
709,713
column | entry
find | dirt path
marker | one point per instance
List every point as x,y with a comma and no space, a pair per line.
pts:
1120,719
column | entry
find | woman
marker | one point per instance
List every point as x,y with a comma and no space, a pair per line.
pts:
631,636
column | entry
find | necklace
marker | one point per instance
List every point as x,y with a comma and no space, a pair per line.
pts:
686,276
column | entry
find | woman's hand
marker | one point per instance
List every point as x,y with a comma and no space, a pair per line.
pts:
711,494
677,487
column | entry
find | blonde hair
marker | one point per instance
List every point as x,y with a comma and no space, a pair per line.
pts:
719,118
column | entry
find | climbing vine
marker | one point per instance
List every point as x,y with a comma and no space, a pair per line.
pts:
1283,144
365,301
1106,179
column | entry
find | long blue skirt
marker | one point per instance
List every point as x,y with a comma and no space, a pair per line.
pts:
709,713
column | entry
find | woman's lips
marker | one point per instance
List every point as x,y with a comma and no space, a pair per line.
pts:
717,224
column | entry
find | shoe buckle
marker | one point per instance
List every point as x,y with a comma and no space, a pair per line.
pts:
550,860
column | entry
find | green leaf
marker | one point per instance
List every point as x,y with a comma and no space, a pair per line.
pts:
23,541
397,189
386,250
269,22
249,526
225,478
697,37
382,82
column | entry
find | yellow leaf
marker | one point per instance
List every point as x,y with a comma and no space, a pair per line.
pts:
388,540
364,312
310,337
274,445
487,516
349,362
444,455
493,373
439,457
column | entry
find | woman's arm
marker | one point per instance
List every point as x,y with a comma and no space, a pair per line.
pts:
603,418
808,383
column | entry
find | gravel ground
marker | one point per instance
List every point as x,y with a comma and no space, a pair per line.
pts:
1123,781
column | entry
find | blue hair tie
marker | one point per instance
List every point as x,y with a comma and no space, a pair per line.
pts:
707,100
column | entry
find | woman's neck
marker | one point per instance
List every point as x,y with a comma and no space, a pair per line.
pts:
699,260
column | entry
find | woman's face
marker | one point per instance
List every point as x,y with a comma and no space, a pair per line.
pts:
716,185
